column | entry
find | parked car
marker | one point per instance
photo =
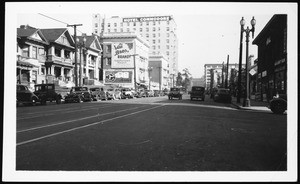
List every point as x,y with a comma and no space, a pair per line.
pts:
149,93
165,91
98,93
127,93
222,95
278,104
158,93
175,92
197,92
114,93
79,94
25,96
50,92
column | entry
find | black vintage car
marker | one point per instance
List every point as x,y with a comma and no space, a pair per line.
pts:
175,92
79,94
25,96
50,92
197,92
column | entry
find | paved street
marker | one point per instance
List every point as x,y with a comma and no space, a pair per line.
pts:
150,134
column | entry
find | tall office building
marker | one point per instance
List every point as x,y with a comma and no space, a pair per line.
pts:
159,31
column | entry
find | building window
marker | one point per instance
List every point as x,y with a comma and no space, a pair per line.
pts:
108,30
134,24
34,52
25,52
168,22
96,31
121,24
127,23
153,35
121,29
42,51
67,54
153,47
57,52
115,30
115,24
168,47
153,23
168,53
147,29
108,61
43,71
141,23
108,25
168,34
147,23
153,41
128,30
147,35
96,24
141,29
168,41
108,49
168,29
153,28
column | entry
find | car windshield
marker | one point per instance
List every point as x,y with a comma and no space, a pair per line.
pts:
110,89
223,91
197,89
21,88
174,89
95,89
80,89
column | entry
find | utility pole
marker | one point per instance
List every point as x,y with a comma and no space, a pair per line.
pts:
226,80
75,37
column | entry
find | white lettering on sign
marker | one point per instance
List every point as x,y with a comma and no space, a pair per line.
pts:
144,19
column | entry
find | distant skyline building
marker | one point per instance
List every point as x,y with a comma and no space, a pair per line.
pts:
159,31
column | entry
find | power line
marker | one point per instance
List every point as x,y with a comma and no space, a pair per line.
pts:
57,20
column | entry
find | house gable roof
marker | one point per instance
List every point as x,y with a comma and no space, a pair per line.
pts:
53,35
31,33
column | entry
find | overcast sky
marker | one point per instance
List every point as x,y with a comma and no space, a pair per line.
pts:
207,32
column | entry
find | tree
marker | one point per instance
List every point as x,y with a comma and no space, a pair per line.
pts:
187,78
179,79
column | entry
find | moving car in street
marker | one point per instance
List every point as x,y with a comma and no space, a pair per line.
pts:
175,92
222,95
79,94
25,96
50,92
197,92
149,93
278,104
127,93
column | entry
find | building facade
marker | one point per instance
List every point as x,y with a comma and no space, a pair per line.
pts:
272,58
125,60
215,75
159,73
159,31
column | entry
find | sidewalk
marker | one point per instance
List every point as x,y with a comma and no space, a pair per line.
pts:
254,105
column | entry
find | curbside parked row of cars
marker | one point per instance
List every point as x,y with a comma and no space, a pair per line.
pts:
51,92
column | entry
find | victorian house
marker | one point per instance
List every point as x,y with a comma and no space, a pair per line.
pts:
89,65
60,57
31,56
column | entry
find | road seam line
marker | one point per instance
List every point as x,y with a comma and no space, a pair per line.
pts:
80,127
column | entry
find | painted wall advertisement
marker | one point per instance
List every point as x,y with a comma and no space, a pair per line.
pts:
122,55
122,76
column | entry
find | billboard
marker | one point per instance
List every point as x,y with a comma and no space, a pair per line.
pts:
118,76
145,19
122,55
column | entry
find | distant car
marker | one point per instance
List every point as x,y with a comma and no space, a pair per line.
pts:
25,96
197,92
98,93
175,92
222,95
127,93
50,92
79,94
149,93
278,104
114,93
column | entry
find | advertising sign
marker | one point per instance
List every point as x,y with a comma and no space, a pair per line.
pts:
122,55
122,76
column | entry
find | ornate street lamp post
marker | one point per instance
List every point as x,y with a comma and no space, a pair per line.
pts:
246,102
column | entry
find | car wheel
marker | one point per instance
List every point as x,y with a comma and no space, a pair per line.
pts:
277,107
79,100
33,101
58,100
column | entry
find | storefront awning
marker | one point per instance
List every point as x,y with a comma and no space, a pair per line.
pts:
25,63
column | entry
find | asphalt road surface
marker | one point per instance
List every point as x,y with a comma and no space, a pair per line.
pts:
149,134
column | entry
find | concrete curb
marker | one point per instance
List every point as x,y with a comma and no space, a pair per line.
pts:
250,109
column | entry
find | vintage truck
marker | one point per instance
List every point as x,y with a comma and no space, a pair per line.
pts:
50,92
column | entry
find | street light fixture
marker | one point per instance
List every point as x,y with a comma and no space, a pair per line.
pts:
246,102
81,48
